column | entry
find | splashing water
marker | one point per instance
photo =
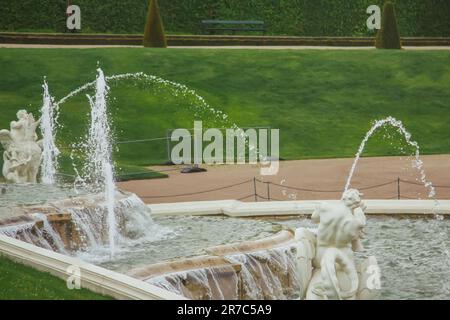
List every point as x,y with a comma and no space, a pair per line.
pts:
110,204
179,90
48,126
99,145
418,163
99,169
52,234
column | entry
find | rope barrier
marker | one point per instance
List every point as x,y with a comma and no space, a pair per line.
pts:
303,189
150,139
246,197
421,184
256,194
328,191
199,192
268,183
378,185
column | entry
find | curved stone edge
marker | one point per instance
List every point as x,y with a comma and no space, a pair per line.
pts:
281,238
235,208
215,257
57,210
94,278
219,261
181,265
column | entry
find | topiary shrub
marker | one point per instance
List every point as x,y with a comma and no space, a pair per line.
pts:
388,36
154,31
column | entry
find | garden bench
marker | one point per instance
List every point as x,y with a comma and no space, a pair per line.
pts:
211,26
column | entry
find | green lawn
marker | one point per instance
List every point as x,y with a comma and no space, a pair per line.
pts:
20,282
323,102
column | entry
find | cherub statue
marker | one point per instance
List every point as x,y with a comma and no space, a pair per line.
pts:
335,274
22,155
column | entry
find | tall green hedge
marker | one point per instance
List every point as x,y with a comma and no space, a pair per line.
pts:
388,36
284,17
154,30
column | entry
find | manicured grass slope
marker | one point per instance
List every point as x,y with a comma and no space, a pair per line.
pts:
322,101
20,282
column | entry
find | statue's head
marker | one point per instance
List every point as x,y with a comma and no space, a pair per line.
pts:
22,114
352,198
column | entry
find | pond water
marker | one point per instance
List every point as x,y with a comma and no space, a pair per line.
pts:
413,255
179,237
17,195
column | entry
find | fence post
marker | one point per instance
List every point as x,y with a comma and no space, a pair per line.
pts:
398,189
268,191
254,189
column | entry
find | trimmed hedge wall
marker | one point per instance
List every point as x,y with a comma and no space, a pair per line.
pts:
284,17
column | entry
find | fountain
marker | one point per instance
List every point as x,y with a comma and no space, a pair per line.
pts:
99,168
50,151
401,129
197,257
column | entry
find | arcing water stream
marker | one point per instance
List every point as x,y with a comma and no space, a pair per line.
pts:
199,105
401,129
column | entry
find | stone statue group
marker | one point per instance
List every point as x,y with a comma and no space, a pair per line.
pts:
22,150
331,271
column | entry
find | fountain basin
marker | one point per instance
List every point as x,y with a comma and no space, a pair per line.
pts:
252,257
259,269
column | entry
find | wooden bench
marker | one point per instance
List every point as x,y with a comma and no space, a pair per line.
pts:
211,26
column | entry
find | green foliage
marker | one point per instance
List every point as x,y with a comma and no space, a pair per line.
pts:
283,17
154,31
388,36
312,96
20,282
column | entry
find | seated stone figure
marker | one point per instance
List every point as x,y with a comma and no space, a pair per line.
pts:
22,155
335,274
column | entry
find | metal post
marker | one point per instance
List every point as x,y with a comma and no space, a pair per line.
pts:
254,189
268,191
398,189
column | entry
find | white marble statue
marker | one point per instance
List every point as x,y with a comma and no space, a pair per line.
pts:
335,274
22,155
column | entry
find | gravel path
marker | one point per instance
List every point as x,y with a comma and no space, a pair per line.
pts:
325,174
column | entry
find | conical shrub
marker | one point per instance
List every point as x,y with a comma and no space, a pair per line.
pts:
388,36
154,30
